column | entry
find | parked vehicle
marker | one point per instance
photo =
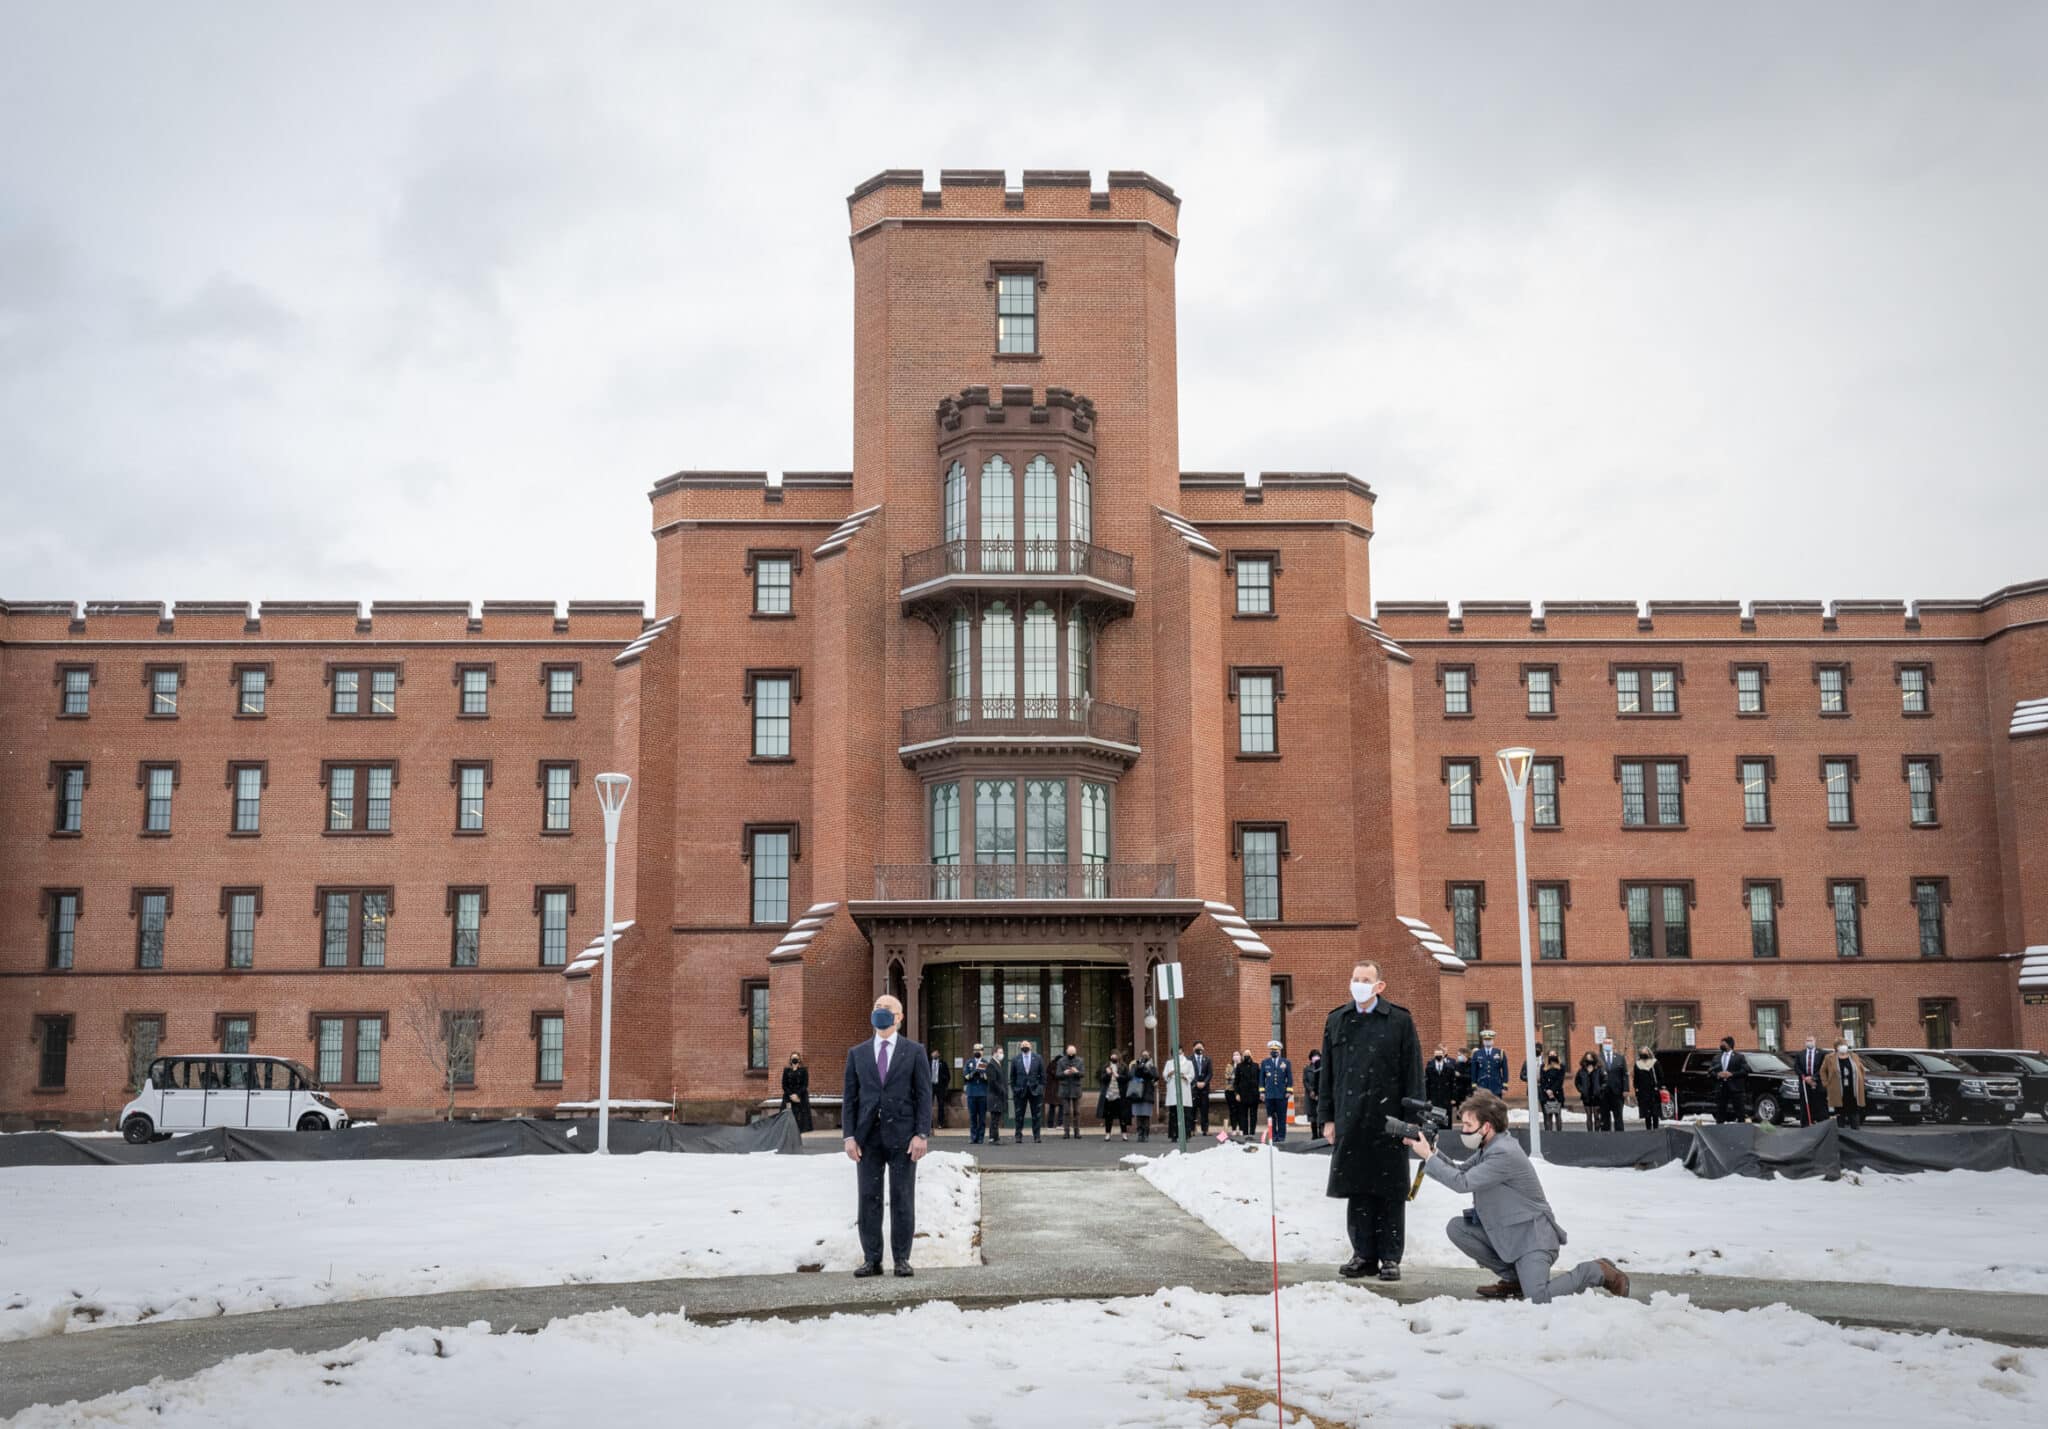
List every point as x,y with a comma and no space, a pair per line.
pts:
1770,1093
1899,1097
2030,1067
1959,1093
193,1093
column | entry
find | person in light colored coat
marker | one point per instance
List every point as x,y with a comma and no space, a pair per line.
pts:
1178,1078
1510,1228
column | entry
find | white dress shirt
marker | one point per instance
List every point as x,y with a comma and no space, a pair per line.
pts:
880,1040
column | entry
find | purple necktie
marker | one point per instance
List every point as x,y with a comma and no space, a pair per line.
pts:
882,1063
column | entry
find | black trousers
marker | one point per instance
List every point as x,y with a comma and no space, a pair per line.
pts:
1728,1102
1202,1110
902,1173
1314,1127
1036,1102
977,1116
1616,1113
1052,1111
939,1109
1378,1227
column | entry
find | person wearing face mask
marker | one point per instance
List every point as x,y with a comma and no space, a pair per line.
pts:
886,1115
1311,1074
942,1082
1204,1081
1110,1103
1813,1097
974,1085
796,1090
1613,1082
1510,1228
1138,1093
1592,1096
1841,1077
1372,1061
998,1093
1730,1071
1027,1089
1550,1092
1067,1072
1649,1089
1490,1065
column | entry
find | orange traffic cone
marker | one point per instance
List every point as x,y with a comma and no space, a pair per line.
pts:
1290,1106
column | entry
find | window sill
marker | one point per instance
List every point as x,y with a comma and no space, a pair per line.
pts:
154,834
1834,714
1538,714
1847,828
1653,828
771,759
1931,824
238,967
556,833
62,715
245,833
1461,828
772,615
244,714
758,1074
1259,758
1646,714
1916,714
338,714
1760,828
355,833
159,716
67,833
459,714
469,833
559,714
351,967
49,1091
1546,828
1752,714
1453,714
1018,356
352,1086
547,1086
1255,615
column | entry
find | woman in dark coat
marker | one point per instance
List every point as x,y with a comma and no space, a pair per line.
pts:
1592,1089
1550,1092
796,1090
1111,1104
1649,1091
1246,1080
1144,1078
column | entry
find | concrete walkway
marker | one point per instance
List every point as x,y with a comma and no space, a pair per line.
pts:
1056,1235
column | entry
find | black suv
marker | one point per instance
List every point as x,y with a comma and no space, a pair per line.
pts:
2030,1067
1960,1093
1770,1093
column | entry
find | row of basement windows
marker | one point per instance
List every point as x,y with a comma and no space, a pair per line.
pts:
1666,1025
358,796
355,925
1653,790
1660,916
1651,691
348,1050
363,692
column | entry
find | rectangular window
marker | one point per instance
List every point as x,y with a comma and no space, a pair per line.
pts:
77,692
328,1068
476,691
1276,1010
1257,722
348,685
560,784
771,876
70,816
1667,778
1856,1019
377,804
1628,692
1095,840
1045,836
1834,692
252,689
341,799
1749,690
995,838
1661,684
554,927
1670,804
163,694
54,1063
1836,774
353,926
1763,920
152,917
1545,811
369,1057
547,1030
1770,1025
359,797
1554,1030
561,690
468,930
1663,692
1477,1020
1466,900
1756,793
248,798
1457,691
1459,777
757,1025
346,697
1928,896
1261,854
1632,795
383,693
1550,905
1016,312
1920,792
61,908
1542,692
234,1035
945,840
145,1036
1845,899
1658,919
460,1033
159,780
1913,689
241,930
774,581
469,798
1254,585
771,716
1938,1022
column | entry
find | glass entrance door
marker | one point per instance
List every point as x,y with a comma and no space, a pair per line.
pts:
1046,1004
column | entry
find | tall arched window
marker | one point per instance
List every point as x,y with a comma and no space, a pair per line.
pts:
1080,504
998,516
1041,662
956,502
1041,515
1080,658
959,662
998,662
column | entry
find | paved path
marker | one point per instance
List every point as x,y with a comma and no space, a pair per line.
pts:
1057,1235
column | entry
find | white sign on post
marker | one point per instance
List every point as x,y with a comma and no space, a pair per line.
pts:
1599,1035
1171,987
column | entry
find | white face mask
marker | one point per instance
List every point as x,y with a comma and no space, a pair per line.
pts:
1842,1047
1362,991
1472,1140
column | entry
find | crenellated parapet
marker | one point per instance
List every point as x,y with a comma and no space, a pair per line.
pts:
1018,413
1053,195
319,620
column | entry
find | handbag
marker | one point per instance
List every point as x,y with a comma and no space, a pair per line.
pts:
1552,1108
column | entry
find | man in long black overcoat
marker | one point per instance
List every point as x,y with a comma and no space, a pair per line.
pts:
1371,1060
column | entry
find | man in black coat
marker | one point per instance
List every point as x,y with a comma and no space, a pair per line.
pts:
1372,1060
942,1082
886,1115
1813,1096
1614,1082
1203,1079
1730,1072
1441,1080
1027,1089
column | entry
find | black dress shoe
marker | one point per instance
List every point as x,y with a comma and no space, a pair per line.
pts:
1390,1271
902,1268
873,1267
1356,1267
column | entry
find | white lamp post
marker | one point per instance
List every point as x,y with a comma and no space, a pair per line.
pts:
1514,769
611,797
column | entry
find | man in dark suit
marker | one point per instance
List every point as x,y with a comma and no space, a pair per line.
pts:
1027,1088
1372,1060
1730,1072
942,1082
886,1115
1442,1081
1203,1079
1614,1079
1813,1095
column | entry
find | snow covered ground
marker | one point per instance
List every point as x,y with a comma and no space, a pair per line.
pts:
1978,1230
110,1245
1176,1358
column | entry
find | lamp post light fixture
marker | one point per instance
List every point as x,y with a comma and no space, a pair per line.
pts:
1515,764
611,797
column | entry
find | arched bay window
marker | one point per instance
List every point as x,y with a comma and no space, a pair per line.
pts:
1041,662
998,520
1080,658
956,502
998,662
959,660
1059,812
1080,505
1041,516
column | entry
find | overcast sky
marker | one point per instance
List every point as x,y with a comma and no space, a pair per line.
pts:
416,301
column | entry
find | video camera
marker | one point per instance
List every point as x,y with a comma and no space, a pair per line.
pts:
1429,1120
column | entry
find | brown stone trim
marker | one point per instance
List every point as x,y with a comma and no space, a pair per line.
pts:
1913,887
1776,885
235,766
1907,761
390,762
228,894
1769,762
1828,886
788,826
143,767
793,674
222,1019
540,778
1563,885
58,765
481,889
1445,762
1457,883
1278,674
1241,827
456,766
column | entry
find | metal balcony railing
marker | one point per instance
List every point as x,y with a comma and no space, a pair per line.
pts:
916,881
994,716
1007,558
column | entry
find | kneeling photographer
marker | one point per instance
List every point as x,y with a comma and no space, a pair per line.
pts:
1510,1228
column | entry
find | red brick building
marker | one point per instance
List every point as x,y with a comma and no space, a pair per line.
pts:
1012,711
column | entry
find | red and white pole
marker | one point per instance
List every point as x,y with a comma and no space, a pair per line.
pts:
1273,1210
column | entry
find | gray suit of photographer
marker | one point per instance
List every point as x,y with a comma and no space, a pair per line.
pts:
1516,1236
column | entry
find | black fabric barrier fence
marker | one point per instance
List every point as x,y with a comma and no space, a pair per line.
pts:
414,1141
